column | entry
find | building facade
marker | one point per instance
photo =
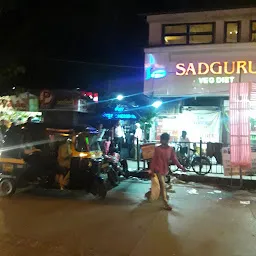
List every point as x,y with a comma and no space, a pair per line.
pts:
194,57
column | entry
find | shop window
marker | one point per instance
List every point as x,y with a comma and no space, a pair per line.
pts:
201,28
232,32
175,29
175,39
253,31
181,34
200,39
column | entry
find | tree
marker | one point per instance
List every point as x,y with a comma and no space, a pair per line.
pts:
8,5
10,78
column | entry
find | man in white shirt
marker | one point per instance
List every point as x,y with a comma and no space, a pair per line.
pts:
185,143
119,136
137,139
101,133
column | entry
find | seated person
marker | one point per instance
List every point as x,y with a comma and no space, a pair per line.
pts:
64,161
106,146
32,156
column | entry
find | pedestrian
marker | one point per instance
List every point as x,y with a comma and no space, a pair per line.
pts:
106,146
137,140
64,161
164,155
119,136
185,144
101,133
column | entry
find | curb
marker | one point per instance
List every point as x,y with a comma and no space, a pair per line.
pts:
226,182
219,181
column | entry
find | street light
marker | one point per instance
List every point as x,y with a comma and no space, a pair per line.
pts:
157,104
120,97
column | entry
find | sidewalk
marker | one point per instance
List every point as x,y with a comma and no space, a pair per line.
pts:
218,178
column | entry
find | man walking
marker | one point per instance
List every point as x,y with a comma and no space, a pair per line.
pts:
164,155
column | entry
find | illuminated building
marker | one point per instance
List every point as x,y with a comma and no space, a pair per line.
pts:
190,61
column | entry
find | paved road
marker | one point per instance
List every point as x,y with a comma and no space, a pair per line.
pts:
212,224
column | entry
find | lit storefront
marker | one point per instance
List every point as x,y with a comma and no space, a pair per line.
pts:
18,108
194,67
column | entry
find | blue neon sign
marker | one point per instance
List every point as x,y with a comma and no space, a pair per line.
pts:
119,116
154,70
119,109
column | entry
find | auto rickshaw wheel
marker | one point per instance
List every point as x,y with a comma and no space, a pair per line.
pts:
102,191
113,177
99,189
7,187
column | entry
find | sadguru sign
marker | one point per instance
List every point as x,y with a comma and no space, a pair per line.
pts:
215,68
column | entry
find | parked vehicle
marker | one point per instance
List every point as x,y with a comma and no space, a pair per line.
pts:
30,152
200,165
119,165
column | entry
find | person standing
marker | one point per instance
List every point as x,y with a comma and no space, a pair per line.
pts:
164,155
101,133
119,136
137,139
64,161
185,143
106,146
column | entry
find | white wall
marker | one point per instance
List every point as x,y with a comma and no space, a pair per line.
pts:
245,15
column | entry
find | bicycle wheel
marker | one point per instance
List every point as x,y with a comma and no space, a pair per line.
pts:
201,166
184,161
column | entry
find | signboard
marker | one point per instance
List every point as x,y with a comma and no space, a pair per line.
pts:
216,80
92,95
215,68
198,124
64,100
119,116
196,73
60,100
236,171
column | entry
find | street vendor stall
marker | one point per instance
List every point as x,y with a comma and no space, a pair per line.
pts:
18,108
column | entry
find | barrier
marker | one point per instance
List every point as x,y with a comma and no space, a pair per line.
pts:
213,151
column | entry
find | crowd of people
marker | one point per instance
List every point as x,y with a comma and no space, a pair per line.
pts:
116,137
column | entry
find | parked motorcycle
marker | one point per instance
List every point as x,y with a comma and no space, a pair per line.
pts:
120,166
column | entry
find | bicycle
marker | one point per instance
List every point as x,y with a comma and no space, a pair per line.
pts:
200,165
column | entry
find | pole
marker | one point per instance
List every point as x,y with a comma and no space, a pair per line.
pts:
201,154
240,170
144,137
138,154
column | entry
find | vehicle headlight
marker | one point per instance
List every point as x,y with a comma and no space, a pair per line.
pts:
83,154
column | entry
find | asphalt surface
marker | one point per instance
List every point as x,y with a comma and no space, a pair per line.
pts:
205,221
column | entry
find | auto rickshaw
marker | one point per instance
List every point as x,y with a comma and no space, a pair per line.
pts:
29,156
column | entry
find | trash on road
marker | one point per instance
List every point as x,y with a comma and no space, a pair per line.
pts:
175,180
193,192
245,202
210,192
217,191
245,196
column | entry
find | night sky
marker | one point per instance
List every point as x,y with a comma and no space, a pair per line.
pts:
57,40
